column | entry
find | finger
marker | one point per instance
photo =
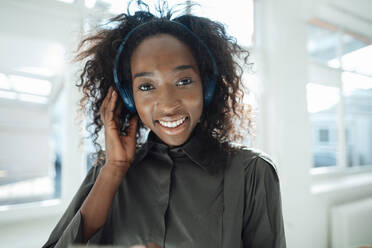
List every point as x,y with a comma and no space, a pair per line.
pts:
108,96
111,107
118,108
130,139
104,103
133,125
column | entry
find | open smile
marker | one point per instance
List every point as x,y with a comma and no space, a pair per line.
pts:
172,124
174,127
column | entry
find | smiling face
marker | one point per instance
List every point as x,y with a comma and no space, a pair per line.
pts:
167,88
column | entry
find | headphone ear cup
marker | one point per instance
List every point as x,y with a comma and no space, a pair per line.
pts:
127,97
131,106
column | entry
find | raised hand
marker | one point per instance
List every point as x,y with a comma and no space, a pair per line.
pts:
120,149
120,152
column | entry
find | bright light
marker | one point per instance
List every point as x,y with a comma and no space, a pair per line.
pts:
239,22
27,188
32,98
67,1
359,60
90,3
31,85
4,82
334,63
320,97
117,7
52,202
8,94
352,82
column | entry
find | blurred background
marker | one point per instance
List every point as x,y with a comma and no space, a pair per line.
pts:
311,84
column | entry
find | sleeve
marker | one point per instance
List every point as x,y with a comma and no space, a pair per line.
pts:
262,218
69,228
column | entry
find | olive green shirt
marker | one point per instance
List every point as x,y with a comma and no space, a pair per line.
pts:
177,197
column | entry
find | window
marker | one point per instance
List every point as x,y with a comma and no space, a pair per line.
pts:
323,102
29,89
238,16
357,91
340,107
30,161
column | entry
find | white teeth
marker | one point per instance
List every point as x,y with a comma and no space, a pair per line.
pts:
172,123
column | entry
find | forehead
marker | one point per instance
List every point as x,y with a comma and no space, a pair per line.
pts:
162,48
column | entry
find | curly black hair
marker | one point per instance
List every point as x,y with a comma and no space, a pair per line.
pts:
226,119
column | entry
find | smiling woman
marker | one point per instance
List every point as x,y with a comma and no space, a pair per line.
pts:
187,185
167,88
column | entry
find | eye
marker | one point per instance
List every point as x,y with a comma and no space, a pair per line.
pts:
146,87
185,81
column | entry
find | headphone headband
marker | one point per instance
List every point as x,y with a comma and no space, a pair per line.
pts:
125,91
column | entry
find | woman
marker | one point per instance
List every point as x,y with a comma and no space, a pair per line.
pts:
186,185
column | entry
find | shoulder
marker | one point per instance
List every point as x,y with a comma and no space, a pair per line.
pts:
253,162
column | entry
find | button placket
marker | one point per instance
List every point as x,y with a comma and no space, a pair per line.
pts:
164,184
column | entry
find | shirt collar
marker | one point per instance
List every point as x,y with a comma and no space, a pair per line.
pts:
198,148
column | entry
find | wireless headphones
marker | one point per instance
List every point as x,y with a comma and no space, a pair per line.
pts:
125,90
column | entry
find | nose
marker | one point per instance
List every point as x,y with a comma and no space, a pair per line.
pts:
169,100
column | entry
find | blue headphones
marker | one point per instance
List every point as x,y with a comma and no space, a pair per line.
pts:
126,92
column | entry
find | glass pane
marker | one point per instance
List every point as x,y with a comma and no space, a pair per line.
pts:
30,161
357,91
357,55
322,102
322,45
237,15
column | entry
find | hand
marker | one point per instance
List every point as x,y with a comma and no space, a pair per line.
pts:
120,149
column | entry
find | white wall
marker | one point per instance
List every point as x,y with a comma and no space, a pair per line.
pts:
285,124
24,132
32,233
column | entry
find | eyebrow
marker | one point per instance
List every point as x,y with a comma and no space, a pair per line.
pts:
178,68
143,74
184,67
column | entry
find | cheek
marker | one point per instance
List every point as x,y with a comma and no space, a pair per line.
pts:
195,102
144,110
